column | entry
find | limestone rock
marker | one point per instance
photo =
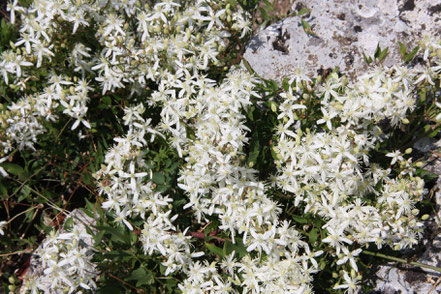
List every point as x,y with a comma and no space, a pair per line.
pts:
342,31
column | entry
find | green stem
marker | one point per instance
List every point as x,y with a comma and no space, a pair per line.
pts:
402,260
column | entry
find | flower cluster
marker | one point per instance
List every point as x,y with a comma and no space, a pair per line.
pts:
138,45
22,121
327,169
63,262
161,54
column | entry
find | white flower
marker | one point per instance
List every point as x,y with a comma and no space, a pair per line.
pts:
351,284
2,226
396,156
14,8
349,256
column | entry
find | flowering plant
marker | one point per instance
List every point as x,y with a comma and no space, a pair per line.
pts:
202,177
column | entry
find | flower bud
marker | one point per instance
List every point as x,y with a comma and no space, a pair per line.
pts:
319,79
353,273
273,106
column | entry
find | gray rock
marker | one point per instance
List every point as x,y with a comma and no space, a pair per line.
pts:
425,144
343,31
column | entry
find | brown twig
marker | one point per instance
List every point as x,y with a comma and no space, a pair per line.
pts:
434,285
5,15
124,282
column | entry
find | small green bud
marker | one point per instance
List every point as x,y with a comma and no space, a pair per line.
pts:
11,280
408,151
12,287
338,106
415,211
405,121
419,164
353,273
319,79
335,275
273,106
397,247
344,81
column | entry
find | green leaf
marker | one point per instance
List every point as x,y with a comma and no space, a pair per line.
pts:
158,178
68,223
299,219
377,50
383,54
98,237
402,49
3,191
268,5
13,169
250,113
24,193
433,134
87,178
303,11
239,247
89,207
285,84
306,26
411,55
117,254
117,233
313,235
141,276
265,15
367,59
215,250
